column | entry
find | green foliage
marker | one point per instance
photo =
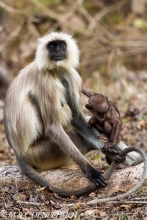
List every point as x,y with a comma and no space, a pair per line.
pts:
125,120
106,165
140,24
96,157
88,6
117,18
145,117
1,9
141,191
75,34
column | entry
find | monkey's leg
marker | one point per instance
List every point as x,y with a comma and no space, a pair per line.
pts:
56,131
99,127
50,155
43,155
108,127
81,143
115,131
46,154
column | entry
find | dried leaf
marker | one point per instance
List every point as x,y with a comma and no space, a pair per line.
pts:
22,196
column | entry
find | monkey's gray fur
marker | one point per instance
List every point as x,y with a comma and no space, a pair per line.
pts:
41,104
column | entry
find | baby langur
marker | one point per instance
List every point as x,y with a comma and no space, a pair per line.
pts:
106,117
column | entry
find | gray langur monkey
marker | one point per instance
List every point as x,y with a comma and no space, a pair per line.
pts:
41,103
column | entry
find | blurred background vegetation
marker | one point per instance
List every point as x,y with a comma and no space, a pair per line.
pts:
112,38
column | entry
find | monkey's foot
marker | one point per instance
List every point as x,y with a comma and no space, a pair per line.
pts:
108,145
119,159
113,151
103,137
96,177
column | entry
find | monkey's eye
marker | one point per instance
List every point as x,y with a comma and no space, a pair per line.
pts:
63,45
51,46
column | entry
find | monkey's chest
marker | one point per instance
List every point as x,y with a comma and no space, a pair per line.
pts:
65,114
100,120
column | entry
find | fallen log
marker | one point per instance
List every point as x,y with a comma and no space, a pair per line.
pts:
120,181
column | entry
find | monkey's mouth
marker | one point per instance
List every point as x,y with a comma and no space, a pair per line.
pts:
58,58
101,116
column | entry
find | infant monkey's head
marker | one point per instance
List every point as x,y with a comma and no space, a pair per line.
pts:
98,104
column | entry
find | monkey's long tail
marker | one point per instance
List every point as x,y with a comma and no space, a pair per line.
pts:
138,185
31,173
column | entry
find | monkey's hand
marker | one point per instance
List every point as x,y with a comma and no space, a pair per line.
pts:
89,124
103,137
112,152
92,121
96,177
119,159
108,145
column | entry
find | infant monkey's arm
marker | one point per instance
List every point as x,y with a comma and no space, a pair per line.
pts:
113,125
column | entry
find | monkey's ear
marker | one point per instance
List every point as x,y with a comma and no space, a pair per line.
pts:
89,107
106,97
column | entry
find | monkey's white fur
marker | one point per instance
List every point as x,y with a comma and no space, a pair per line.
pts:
72,59
32,79
41,104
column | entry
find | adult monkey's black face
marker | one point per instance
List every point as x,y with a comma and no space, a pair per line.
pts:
57,50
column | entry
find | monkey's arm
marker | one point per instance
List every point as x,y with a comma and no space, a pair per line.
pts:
92,121
100,127
116,127
56,133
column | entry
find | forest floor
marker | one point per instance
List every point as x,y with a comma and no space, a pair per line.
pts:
23,202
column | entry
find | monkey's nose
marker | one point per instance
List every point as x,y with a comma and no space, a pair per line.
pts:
57,49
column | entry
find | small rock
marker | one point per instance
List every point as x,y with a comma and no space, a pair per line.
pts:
90,212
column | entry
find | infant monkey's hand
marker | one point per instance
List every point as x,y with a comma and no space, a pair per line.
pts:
103,137
109,145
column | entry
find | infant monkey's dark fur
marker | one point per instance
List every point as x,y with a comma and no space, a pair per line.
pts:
106,117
